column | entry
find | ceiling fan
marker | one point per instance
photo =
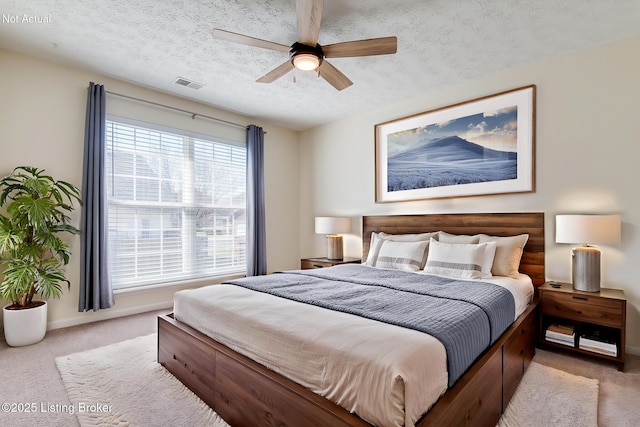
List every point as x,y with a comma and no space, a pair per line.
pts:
306,54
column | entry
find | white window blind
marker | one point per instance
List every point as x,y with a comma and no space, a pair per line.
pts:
176,205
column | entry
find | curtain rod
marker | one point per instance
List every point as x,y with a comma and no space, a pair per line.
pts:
191,113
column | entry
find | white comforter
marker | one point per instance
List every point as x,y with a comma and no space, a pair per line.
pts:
388,375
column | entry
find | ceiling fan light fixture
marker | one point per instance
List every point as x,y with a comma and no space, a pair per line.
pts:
305,57
306,61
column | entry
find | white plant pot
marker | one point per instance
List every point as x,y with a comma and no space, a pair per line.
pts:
25,327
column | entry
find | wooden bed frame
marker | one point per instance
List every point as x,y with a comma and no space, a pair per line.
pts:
246,393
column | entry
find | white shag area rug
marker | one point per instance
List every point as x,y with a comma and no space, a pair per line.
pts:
552,398
123,385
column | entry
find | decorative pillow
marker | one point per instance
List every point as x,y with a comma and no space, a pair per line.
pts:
374,248
377,238
457,238
508,254
487,262
462,260
407,256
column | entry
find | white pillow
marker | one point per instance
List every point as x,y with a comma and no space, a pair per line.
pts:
487,262
457,238
377,238
374,248
462,260
406,256
508,254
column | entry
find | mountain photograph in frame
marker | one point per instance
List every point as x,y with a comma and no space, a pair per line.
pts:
478,147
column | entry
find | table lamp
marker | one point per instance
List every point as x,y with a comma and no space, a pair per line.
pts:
587,229
332,227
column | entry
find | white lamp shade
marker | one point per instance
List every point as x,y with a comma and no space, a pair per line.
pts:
332,225
588,228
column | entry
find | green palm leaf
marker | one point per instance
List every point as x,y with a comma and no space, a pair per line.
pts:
31,247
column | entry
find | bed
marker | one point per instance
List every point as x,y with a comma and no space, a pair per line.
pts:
245,392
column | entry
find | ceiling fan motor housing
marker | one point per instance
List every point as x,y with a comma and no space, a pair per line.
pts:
298,49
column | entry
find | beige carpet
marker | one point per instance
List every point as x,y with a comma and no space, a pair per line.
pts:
619,392
122,384
552,398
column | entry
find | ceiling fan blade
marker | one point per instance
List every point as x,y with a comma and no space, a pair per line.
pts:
250,41
276,73
334,76
309,13
379,46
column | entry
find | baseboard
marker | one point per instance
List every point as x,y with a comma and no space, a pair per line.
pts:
106,315
633,350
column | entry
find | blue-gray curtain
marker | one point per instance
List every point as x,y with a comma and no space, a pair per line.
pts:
256,228
95,285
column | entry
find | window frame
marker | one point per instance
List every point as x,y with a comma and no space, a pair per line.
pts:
179,278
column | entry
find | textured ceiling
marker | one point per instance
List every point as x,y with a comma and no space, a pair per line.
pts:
440,43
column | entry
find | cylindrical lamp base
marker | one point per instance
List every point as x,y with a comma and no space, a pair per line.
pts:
334,246
586,269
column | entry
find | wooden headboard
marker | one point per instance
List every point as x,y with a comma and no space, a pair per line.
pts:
494,224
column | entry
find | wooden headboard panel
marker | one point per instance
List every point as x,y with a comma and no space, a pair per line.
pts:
494,224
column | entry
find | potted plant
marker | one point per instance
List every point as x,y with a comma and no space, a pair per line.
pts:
33,216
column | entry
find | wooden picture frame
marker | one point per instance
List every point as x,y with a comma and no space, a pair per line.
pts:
478,147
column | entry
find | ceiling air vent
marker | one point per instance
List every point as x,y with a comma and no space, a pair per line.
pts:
188,83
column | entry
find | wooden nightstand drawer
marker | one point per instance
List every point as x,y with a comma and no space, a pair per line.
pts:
572,307
585,299
307,265
310,263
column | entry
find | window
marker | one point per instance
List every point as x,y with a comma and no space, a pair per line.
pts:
176,205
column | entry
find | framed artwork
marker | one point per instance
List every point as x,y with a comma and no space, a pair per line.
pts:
478,147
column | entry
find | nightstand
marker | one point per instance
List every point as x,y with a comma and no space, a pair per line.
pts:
599,316
309,263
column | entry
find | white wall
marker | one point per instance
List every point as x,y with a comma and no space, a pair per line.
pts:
587,154
42,114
